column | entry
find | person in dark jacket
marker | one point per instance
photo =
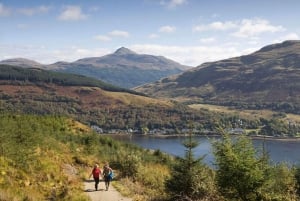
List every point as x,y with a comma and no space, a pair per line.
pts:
107,174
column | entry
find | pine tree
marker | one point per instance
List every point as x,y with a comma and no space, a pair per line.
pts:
190,178
240,173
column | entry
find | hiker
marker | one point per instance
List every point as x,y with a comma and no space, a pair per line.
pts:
96,175
107,174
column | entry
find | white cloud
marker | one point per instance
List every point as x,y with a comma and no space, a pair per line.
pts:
111,35
207,40
119,33
72,13
189,55
254,41
246,28
167,29
290,36
35,10
218,26
102,38
175,3
222,26
254,27
172,3
4,11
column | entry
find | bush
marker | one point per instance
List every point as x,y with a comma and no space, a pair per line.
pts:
280,184
128,164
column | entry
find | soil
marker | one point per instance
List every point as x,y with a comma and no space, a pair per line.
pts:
102,195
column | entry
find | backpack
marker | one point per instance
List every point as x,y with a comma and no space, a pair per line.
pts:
111,175
108,172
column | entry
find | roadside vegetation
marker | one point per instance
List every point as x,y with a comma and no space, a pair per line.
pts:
48,157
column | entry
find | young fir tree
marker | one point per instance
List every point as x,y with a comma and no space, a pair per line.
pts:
190,178
240,173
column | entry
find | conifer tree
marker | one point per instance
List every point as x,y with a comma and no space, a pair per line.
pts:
240,173
190,178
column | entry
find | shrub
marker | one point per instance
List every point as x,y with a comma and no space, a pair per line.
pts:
129,165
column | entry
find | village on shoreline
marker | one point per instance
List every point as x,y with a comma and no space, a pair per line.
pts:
169,133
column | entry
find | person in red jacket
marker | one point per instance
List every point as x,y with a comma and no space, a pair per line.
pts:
96,172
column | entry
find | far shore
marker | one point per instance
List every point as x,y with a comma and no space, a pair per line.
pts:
258,137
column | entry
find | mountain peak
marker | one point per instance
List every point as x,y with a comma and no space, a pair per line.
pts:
124,51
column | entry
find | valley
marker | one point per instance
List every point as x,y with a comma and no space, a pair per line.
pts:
260,90
184,100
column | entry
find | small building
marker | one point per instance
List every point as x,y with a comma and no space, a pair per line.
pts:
97,129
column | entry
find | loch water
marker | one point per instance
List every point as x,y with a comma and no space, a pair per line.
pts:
279,150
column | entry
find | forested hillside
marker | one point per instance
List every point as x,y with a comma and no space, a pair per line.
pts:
35,91
36,76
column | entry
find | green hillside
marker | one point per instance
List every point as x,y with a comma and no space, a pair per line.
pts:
36,75
47,158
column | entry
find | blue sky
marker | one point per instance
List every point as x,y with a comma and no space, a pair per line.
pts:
188,31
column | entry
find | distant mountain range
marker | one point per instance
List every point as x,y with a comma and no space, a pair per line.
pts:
268,78
123,68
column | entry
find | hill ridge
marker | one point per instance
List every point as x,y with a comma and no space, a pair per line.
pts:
36,75
267,78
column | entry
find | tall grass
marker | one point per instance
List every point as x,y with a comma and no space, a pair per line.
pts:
39,154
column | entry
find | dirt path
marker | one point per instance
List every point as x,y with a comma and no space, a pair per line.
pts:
102,195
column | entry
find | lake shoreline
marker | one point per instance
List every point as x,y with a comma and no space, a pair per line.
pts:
280,149
208,136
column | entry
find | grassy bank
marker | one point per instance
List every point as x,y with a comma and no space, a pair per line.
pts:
46,158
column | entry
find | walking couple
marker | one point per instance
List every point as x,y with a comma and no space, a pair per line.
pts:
107,174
